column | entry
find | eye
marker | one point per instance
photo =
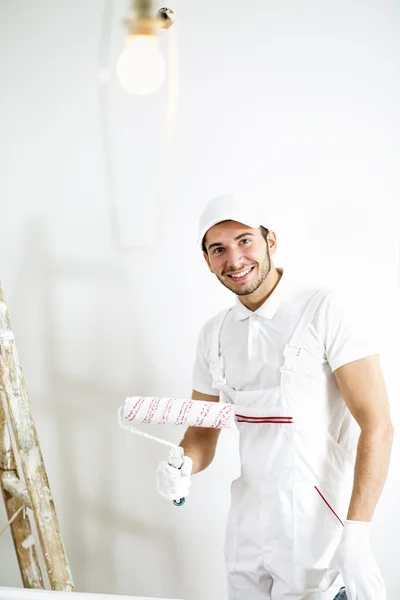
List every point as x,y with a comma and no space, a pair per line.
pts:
217,250
245,241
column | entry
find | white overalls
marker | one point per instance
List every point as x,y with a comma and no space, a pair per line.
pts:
289,504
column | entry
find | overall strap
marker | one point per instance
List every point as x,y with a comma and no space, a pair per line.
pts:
293,348
217,363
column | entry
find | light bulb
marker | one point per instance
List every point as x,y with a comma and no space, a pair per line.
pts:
141,67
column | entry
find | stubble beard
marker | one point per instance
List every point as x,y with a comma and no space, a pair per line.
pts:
264,271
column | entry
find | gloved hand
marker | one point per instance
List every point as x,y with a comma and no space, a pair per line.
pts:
173,483
356,564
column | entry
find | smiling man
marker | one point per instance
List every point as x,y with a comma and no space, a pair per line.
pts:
254,259
315,427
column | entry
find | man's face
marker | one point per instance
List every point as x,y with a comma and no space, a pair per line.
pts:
238,255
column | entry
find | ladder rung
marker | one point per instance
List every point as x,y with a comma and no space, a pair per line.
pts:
14,486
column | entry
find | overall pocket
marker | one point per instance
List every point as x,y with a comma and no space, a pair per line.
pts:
318,526
324,476
266,438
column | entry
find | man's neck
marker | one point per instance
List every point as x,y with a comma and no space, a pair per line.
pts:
256,299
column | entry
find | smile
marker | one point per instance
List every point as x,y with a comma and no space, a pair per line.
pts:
242,275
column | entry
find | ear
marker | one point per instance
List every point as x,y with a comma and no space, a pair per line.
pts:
205,254
272,242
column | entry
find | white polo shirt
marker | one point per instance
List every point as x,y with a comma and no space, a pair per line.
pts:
252,344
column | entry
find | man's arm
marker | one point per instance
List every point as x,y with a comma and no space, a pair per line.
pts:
199,443
363,389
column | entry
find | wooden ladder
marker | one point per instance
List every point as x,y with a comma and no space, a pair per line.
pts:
30,495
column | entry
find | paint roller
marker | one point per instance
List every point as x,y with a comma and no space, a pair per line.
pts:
173,411
193,413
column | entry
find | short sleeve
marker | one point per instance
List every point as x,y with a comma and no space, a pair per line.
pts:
202,379
348,329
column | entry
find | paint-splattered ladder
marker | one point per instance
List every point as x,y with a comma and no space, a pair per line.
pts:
30,495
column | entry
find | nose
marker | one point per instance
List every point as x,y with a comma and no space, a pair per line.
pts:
234,259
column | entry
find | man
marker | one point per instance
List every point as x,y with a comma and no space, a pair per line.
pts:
314,422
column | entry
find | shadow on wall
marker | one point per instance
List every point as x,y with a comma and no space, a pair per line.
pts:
78,332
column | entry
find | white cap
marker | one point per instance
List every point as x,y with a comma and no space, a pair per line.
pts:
226,208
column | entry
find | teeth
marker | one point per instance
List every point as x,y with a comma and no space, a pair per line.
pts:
241,274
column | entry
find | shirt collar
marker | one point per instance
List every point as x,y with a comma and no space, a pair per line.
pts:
271,304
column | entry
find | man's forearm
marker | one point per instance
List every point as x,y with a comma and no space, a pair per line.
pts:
199,444
372,463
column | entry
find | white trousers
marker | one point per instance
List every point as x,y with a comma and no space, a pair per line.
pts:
251,586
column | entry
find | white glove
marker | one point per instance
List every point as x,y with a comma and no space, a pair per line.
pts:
354,561
173,483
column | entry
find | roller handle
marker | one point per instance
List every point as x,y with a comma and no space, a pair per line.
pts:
175,460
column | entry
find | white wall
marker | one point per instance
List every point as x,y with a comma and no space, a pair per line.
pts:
295,103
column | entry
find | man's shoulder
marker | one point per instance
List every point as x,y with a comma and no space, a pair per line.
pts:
336,302
300,294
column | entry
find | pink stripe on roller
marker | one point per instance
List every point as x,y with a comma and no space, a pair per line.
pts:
152,410
135,409
167,412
